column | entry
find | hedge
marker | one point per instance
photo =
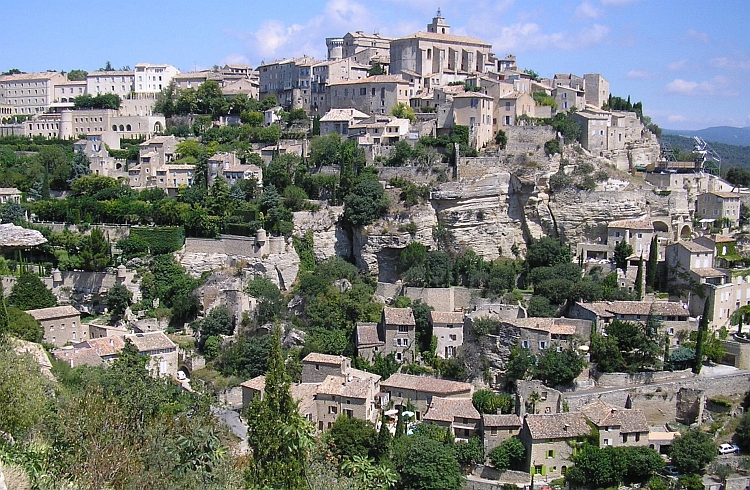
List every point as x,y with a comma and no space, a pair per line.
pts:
161,240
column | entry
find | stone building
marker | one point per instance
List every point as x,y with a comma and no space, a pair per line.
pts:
497,429
333,71
617,426
510,106
458,415
28,93
379,130
290,80
431,54
231,168
116,82
9,194
476,111
150,79
368,342
317,367
339,120
597,90
719,205
61,324
420,390
398,332
157,168
551,440
353,395
448,328
160,350
377,94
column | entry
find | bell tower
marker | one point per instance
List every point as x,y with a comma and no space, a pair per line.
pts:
438,25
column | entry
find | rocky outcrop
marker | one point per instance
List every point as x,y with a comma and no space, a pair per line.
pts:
328,238
281,269
12,236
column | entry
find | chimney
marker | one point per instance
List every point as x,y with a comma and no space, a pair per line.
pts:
565,427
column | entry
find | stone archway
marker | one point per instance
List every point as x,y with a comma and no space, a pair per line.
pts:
686,232
661,226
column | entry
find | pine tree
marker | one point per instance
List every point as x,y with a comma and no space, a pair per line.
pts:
701,339
383,443
400,426
639,280
652,266
278,436
3,315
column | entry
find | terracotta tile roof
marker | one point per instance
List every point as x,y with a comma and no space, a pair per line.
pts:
9,191
146,342
258,383
399,316
426,384
611,308
721,239
367,335
644,223
472,95
315,357
105,346
446,409
112,73
373,79
557,425
357,373
450,38
562,329
304,395
708,272
54,312
29,76
725,195
605,415
509,420
448,317
693,247
350,386
343,115
78,357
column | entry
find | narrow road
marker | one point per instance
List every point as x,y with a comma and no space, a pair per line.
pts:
231,419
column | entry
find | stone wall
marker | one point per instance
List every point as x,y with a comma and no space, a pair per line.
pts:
235,245
616,380
114,232
414,174
528,139
443,299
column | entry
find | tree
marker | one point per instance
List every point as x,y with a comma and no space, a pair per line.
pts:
742,433
11,211
376,69
403,111
277,435
470,453
30,293
118,300
509,454
366,203
430,465
738,177
501,139
652,266
487,401
77,75
24,394
639,281
219,321
96,251
623,250
559,367
701,338
692,451
520,364
349,436
547,252
3,316
24,326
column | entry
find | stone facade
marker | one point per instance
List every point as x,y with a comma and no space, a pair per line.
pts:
61,325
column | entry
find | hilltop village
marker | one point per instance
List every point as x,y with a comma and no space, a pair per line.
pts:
411,265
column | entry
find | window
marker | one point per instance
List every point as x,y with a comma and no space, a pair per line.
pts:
399,356
349,413
452,337
493,431
542,345
333,410
624,438
550,453
403,328
606,442
525,344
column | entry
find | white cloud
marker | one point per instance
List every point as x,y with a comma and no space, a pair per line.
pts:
677,65
530,36
638,74
235,59
717,86
697,35
676,118
725,63
587,10
618,2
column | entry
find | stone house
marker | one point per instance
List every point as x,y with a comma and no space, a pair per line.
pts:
376,94
420,390
332,71
551,441
539,334
61,325
475,110
317,367
9,194
28,93
162,352
534,397
719,205
231,168
568,98
94,146
157,168
339,120
510,106
458,415
497,429
448,327
398,331
116,82
379,130
597,90
724,249
594,129
302,393
289,80
638,233
358,42
368,342
150,79
617,426
675,316
353,395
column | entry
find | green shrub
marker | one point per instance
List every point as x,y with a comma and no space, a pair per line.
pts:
161,240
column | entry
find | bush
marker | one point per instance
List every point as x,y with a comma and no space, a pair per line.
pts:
552,147
161,240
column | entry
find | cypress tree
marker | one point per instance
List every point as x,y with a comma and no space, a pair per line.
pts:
3,315
700,340
639,280
400,426
384,439
652,265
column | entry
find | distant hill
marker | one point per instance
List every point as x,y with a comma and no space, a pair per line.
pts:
718,134
731,155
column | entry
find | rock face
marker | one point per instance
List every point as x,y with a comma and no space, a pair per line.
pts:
328,238
281,269
12,236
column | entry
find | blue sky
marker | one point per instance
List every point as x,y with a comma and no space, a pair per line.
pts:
688,61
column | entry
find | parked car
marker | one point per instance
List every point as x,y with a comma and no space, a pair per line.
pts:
728,448
181,375
670,471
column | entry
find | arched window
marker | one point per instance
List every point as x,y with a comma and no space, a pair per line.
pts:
127,128
114,127
122,128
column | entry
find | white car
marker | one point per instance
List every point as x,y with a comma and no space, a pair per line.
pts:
728,448
181,375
